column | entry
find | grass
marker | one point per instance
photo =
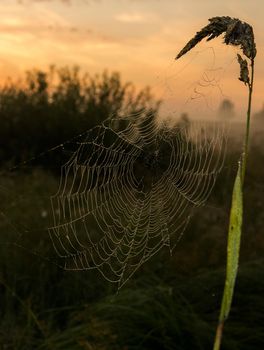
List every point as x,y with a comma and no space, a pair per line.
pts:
154,313
236,33
171,303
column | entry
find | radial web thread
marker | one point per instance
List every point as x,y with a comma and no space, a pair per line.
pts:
129,189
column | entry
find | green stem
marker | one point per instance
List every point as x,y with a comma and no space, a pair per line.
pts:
228,292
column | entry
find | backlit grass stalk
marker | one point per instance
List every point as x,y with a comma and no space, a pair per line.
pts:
240,34
246,145
235,226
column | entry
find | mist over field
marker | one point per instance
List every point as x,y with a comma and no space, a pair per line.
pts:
41,130
117,164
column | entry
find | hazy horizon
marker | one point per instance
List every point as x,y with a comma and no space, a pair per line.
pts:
139,39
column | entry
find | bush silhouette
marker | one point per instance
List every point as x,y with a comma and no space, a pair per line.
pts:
49,107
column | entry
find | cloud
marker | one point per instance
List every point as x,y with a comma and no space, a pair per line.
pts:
66,2
27,1
135,17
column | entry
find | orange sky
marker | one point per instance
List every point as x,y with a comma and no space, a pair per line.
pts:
138,38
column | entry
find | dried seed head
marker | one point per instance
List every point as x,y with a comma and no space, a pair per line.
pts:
244,73
241,33
237,33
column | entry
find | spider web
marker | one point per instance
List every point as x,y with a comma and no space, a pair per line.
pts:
129,190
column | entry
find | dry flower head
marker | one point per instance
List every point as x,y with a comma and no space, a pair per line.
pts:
236,33
244,73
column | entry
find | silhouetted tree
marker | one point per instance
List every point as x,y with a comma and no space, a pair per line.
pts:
226,109
184,120
49,107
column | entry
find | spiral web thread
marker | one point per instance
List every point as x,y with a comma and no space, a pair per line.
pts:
129,190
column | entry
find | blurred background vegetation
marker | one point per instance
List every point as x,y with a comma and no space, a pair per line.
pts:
173,301
49,108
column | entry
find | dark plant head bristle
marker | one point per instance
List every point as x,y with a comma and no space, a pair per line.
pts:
244,73
237,33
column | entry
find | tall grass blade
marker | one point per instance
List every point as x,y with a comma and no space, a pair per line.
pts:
236,33
233,248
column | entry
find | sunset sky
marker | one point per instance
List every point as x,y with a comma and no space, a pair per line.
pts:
138,38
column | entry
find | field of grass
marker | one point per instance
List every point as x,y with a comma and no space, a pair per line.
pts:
170,303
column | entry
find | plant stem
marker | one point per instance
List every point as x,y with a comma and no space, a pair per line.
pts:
228,292
218,336
246,144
